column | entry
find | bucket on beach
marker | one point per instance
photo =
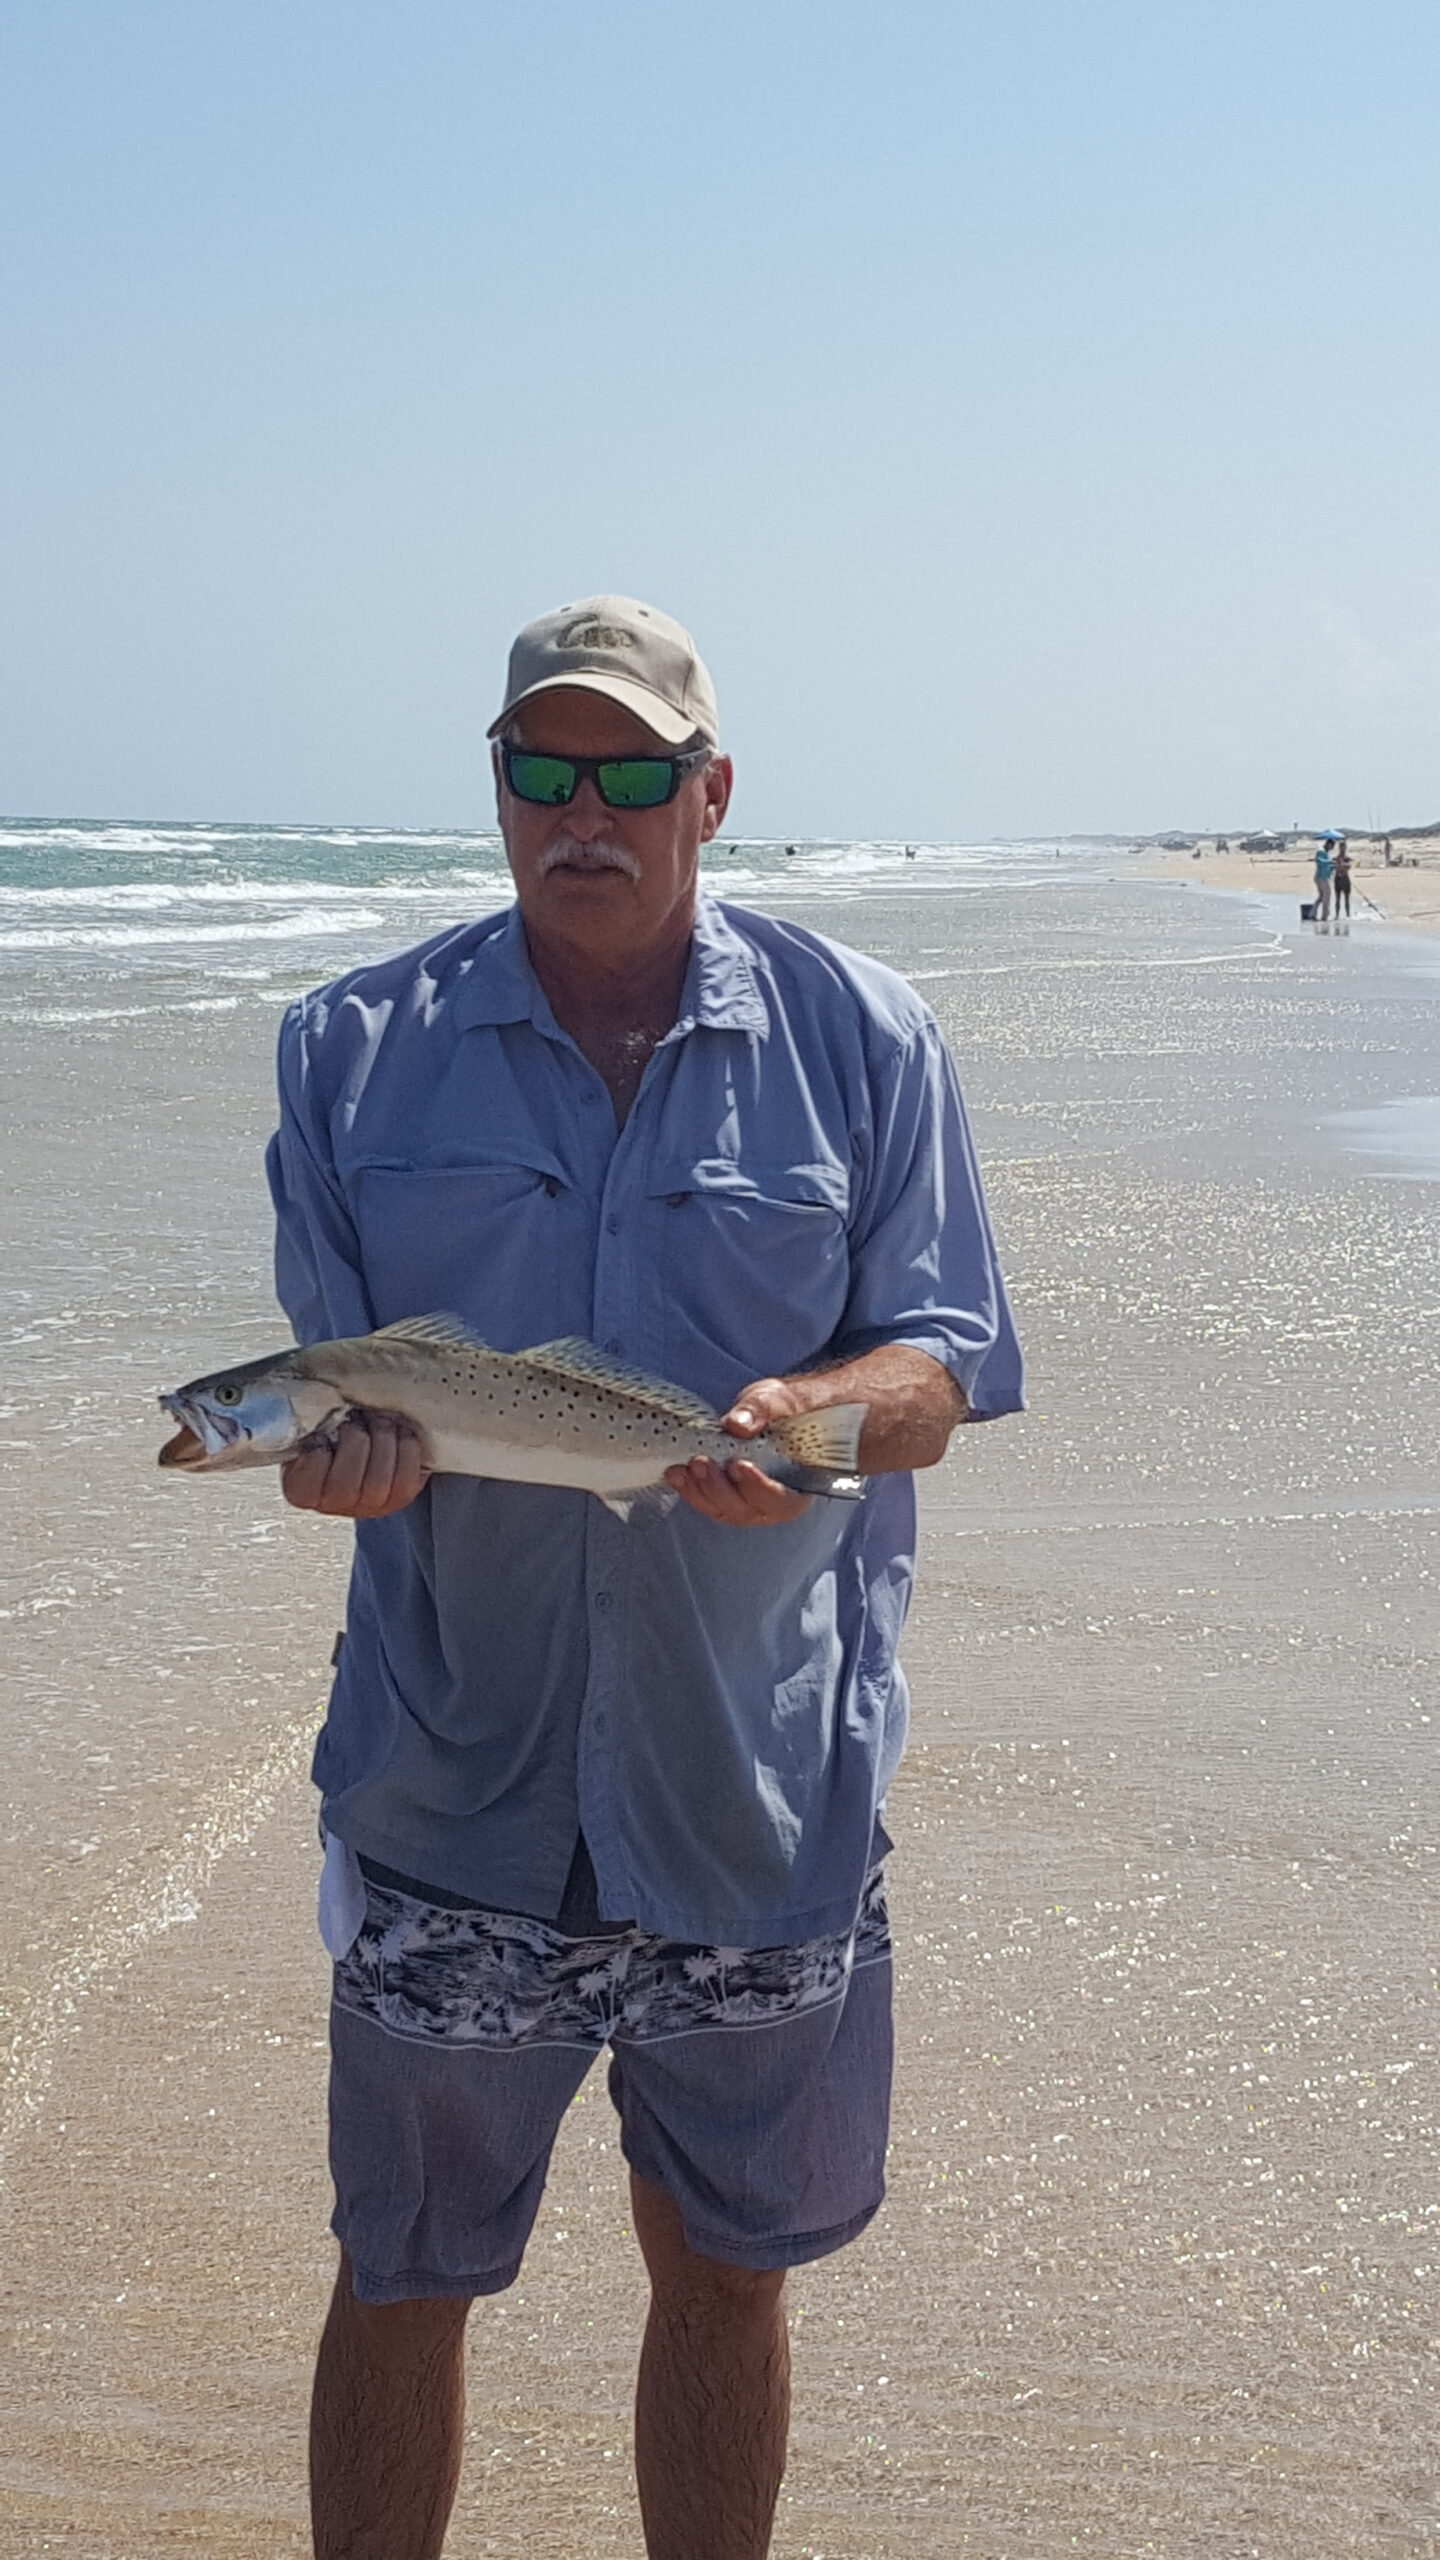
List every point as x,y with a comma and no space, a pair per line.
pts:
1307,910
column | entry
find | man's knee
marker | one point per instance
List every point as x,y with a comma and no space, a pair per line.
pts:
397,2332
680,2274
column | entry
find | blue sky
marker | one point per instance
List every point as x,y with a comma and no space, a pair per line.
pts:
1031,405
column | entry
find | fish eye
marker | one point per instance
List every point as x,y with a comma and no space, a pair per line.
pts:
227,1395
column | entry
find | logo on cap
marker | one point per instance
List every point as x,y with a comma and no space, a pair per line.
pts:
596,635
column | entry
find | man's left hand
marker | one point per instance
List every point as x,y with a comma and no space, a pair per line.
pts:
911,1406
742,1495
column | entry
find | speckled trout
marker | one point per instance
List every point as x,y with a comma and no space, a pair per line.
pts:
563,1413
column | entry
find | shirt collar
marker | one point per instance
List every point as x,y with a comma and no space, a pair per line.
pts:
720,992
500,985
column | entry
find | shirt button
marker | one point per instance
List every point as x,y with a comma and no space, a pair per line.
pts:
612,1225
602,1599
612,1342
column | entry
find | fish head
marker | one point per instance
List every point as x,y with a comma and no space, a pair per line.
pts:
252,1416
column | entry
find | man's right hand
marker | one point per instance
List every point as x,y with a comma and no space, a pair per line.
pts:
373,1465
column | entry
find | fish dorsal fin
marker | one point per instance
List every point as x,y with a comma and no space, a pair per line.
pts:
574,1358
446,1331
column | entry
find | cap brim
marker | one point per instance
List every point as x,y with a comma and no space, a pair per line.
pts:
670,726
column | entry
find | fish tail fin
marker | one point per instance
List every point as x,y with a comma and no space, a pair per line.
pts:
827,1441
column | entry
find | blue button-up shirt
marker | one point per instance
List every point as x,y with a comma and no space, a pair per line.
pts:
717,1710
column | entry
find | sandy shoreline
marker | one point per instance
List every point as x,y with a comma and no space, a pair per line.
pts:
1408,897
1152,2275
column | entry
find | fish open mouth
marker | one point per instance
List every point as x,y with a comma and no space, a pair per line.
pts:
203,1436
187,1449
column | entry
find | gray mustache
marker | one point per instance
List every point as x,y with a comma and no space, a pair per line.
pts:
587,857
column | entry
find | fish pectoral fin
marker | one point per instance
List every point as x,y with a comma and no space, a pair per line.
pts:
650,1503
828,1439
448,1331
571,1357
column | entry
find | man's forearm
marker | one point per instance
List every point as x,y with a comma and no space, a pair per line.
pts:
914,1405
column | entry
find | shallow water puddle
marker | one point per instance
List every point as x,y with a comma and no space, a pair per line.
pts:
1401,1138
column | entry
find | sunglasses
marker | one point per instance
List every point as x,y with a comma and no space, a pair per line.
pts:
623,782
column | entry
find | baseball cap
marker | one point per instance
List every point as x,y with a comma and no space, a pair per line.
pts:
616,646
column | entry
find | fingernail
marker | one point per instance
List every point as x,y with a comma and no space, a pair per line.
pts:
744,1414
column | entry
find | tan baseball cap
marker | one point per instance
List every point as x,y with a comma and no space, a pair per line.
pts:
612,645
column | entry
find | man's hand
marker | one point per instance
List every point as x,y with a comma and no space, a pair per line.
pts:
913,1406
373,1465
742,1495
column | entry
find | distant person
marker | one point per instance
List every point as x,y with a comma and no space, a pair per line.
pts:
909,853
1389,856
1341,881
790,849
1324,878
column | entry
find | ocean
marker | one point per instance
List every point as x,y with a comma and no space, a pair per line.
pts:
109,922
143,970
1157,2269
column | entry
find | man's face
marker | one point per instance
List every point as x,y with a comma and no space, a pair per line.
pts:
612,881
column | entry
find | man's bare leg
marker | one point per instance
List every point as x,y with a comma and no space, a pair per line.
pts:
712,2409
386,2426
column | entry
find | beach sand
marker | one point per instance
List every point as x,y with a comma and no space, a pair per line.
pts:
1157,2270
1406,894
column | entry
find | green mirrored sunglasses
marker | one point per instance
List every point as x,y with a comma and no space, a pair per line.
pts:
623,782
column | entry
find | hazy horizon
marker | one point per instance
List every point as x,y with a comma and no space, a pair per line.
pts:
333,822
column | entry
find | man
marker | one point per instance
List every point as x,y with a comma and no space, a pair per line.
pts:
586,1783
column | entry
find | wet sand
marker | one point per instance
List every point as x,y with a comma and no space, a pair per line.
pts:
1157,2274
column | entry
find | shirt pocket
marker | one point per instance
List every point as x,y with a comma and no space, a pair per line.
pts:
754,1267
504,1246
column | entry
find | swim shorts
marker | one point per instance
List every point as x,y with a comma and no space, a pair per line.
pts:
752,2085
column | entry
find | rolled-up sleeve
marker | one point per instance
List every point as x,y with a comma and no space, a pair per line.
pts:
924,1271
318,1276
